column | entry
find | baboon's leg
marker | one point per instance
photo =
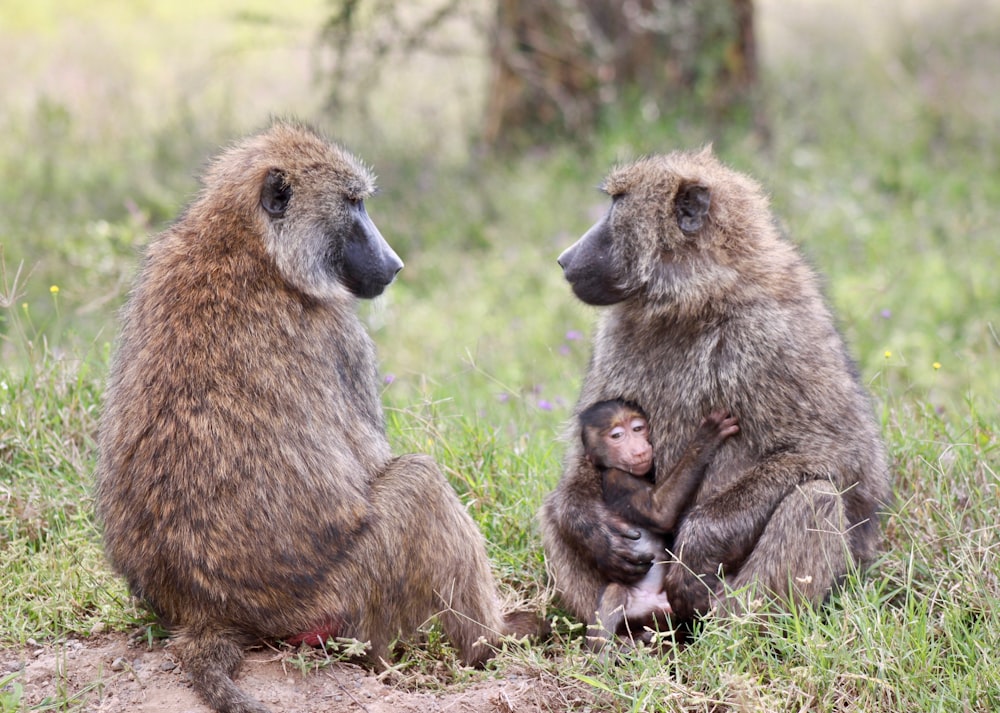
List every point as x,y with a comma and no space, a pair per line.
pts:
212,660
603,624
803,551
424,555
577,582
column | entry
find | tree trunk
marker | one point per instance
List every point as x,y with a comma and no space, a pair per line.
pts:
557,64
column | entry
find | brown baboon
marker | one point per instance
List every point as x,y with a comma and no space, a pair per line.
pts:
615,439
245,481
706,304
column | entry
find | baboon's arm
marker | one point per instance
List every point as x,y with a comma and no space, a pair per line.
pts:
717,534
658,507
597,534
653,507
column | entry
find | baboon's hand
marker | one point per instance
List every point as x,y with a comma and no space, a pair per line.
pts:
709,544
689,593
623,557
718,426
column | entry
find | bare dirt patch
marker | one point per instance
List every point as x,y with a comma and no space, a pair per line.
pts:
112,674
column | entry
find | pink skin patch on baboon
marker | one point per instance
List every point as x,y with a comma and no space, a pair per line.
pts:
318,636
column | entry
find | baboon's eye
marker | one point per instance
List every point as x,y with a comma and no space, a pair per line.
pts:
276,193
616,433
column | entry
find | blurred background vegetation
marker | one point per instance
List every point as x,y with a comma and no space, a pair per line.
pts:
873,127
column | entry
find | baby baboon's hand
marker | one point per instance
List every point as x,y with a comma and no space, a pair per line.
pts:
719,425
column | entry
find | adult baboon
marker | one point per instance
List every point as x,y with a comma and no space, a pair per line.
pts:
705,304
245,481
615,439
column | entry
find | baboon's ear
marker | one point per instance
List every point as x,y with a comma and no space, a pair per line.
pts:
276,193
691,206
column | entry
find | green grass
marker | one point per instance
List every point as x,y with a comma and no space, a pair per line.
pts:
883,166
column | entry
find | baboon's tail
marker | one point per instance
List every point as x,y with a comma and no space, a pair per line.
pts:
212,660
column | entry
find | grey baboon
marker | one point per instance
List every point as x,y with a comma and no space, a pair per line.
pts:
615,439
705,304
245,482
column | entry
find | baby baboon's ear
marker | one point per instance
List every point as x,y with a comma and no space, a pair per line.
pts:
691,206
276,193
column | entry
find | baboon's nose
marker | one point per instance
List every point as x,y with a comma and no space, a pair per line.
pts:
392,264
566,257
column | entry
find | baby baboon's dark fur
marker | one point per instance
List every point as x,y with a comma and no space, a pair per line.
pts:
245,482
651,508
708,307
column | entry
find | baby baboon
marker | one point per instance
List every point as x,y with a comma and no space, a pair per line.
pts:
706,305
615,439
245,481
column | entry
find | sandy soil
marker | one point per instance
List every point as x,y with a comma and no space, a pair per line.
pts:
110,674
